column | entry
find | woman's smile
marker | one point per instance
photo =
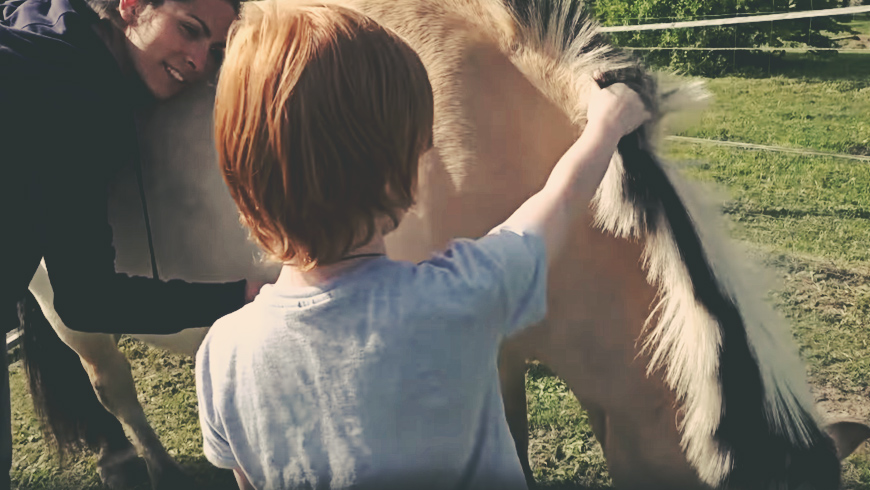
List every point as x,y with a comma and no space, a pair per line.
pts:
173,73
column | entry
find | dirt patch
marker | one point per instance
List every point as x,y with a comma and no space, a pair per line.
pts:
859,150
858,41
837,295
835,404
830,305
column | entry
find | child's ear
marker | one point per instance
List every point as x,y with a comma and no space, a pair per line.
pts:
129,10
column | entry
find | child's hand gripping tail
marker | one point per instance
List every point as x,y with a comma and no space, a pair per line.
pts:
613,113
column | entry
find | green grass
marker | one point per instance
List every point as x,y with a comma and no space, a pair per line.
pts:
828,115
562,450
808,216
166,391
861,23
794,204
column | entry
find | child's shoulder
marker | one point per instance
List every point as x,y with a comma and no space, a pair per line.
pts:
383,274
473,259
229,331
236,319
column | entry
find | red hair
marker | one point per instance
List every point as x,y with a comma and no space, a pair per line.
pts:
320,119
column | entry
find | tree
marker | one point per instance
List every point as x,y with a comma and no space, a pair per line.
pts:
812,32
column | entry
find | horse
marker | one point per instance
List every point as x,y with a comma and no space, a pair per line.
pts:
689,378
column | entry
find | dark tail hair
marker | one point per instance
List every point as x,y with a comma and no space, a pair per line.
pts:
762,457
72,416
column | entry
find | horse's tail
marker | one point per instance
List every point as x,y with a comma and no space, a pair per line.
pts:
762,452
746,423
64,400
758,448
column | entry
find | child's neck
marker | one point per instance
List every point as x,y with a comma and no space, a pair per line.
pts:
294,277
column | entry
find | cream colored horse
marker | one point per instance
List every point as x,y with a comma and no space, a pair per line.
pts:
689,380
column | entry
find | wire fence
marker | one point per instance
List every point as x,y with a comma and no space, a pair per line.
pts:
740,43
718,20
762,17
782,149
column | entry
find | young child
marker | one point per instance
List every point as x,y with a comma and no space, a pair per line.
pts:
354,370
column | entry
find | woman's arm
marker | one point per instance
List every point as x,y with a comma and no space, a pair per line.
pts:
76,149
90,296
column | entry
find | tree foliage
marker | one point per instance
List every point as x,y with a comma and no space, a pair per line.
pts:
815,32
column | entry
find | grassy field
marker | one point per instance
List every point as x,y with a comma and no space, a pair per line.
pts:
807,216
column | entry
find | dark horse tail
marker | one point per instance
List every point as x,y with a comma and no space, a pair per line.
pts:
65,402
762,455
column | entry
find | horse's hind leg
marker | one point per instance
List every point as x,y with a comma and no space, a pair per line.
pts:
119,464
512,373
112,380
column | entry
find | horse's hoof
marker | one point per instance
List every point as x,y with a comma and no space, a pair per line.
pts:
173,477
129,473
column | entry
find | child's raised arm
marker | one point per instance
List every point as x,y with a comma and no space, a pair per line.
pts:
613,112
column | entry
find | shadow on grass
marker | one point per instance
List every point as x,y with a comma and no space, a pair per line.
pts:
839,66
819,66
207,475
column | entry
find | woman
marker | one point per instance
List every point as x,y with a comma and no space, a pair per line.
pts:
72,76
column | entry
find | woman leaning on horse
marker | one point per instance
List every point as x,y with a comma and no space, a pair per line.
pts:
72,76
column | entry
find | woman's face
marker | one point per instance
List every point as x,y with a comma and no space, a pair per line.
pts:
176,44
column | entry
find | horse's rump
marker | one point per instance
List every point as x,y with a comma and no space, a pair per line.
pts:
746,419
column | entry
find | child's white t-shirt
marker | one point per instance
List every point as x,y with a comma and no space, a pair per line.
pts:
386,377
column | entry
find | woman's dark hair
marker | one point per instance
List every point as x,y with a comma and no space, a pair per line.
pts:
108,9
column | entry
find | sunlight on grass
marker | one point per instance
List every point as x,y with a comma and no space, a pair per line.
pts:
823,115
803,205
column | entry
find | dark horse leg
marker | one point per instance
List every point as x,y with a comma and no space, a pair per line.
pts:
512,373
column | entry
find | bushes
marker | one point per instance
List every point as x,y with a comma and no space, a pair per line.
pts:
813,32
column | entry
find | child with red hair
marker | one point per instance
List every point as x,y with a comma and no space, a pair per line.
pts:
354,370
